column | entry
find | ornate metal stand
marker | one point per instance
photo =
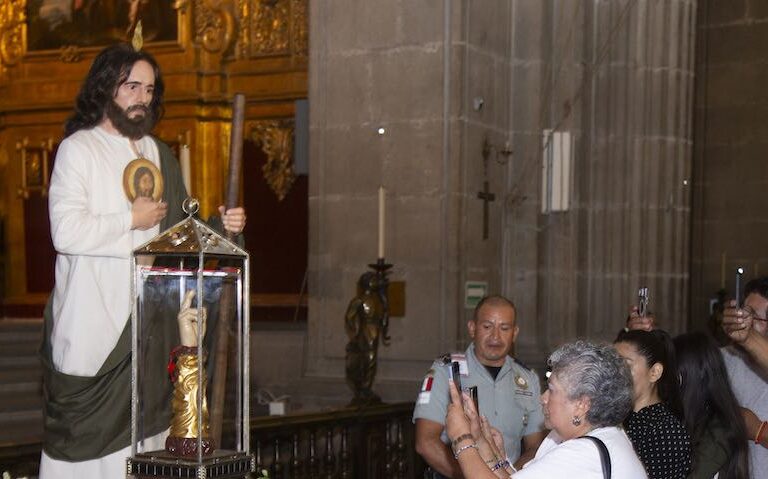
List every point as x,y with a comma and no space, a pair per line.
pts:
367,320
221,464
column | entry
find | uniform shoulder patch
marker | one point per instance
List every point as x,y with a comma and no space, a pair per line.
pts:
447,358
426,388
522,364
444,358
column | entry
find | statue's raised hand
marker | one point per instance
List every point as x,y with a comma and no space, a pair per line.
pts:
187,318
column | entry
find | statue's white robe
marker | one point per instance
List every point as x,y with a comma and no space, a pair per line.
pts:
91,232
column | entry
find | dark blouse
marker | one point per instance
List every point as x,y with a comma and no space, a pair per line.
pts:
660,441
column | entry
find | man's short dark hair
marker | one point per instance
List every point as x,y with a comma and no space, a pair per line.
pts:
757,285
109,70
494,300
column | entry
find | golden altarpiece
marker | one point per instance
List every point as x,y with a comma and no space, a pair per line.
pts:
207,49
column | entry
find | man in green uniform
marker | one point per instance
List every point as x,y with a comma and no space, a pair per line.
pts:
508,392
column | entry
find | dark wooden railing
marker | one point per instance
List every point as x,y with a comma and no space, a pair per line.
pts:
369,443
376,442
20,459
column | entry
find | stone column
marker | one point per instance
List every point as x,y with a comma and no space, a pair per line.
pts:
618,76
729,224
417,70
382,65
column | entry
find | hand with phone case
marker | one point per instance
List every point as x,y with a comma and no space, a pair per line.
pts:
639,316
473,395
456,375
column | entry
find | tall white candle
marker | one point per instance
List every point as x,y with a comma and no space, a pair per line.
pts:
185,168
382,193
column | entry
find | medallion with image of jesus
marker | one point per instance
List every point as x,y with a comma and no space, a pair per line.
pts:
141,178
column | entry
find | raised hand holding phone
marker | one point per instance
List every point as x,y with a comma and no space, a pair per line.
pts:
456,375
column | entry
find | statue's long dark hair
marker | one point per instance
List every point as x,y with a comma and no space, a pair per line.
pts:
709,400
109,70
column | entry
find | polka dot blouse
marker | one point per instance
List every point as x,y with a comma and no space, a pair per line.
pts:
660,441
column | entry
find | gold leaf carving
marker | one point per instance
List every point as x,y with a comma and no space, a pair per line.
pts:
271,27
214,25
70,54
34,166
276,139
300,21
243,41
12,27
181,5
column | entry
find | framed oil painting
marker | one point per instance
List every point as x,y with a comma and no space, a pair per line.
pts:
54,24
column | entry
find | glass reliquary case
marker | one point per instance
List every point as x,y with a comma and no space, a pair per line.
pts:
190,397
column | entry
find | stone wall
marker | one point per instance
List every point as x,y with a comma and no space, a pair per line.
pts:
618,77
442,76
381,65
731,147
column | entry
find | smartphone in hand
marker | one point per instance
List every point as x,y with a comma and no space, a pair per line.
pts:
456,375
473,396
642,302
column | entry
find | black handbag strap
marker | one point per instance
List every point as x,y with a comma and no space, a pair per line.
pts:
605,458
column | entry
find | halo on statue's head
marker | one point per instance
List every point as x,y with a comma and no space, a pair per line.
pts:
142,178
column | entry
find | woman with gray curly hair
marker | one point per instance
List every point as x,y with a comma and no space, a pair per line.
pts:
589,394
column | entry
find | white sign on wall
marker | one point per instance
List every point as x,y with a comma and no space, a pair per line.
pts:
556,171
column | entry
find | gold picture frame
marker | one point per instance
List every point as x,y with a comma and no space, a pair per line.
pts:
34,167
60,24
142,178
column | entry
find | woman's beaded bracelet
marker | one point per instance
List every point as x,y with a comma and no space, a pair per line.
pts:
463,448
500,464
456,441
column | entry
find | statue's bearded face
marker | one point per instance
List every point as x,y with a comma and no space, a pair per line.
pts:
135,122
129,111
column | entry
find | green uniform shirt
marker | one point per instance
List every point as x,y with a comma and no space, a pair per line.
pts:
511,402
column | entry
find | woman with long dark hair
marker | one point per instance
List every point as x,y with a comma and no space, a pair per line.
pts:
655,424
712,415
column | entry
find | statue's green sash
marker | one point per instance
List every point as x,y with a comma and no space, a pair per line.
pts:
89,417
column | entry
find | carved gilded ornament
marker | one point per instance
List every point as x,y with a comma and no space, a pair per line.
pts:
300,28
70,54
214,25
34,167
181,5
276,139
272,27
12,26
243,12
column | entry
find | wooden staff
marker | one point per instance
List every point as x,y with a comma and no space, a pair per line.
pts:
226,309
235,153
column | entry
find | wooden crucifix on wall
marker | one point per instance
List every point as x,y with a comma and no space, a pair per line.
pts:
502,157
487,197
